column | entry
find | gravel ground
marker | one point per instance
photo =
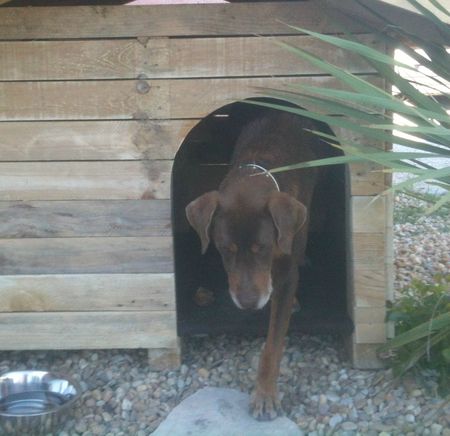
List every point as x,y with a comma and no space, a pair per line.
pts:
421,243
321,392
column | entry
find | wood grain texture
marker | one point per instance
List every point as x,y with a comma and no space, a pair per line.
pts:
369,315
367,179
87,330
370,286
163,359
368,214
87,292
92,140
370,333
83,100
369,250
170,20
86,255
135,99
167,58
117,180
351,136
58,219
97,140
370,280
364,356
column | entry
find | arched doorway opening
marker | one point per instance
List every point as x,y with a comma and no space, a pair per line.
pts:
203,302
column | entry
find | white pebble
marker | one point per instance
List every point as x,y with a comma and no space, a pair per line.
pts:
335,420
127,405
349,426
410,418
436,429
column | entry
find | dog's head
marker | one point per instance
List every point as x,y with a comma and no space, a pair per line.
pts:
249,235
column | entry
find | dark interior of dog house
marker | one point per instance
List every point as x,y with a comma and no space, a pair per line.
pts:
204,305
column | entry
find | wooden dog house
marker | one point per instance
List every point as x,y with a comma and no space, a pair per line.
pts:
95,103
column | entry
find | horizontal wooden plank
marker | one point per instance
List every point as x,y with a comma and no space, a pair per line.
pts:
167,58
92,140
114,180
125,99
134,99
206,95
86,255
87,330
368,214
58,219
85,180
169,20
87,292
97,140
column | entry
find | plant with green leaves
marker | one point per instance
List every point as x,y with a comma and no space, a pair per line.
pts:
359,106
422,320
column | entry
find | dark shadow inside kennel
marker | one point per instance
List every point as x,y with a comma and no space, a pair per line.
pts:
203,302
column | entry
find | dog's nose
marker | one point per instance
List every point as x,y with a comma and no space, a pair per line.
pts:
246,301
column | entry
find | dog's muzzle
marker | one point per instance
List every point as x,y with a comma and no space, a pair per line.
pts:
250,300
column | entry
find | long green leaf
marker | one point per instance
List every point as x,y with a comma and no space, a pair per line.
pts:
444,28
378,135
345,77
391,156
407,89
421,331
332,107
413,115
380,158
336,160
380,62
426,174
438,61
354,47
419,352
386,102
438,204
408,41
440,184
438,6
437,130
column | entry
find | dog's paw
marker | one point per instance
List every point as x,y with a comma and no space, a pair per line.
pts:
265,406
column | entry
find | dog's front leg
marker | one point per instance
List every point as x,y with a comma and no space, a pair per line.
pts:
265,404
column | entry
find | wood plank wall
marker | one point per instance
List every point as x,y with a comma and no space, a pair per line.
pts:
94,103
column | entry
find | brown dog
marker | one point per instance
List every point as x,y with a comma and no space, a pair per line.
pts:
259,224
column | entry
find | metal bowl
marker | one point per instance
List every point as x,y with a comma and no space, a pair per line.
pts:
35,402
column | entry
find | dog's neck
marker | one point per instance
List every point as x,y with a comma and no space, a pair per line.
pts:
260,170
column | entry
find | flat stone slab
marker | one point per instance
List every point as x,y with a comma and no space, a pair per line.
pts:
221,412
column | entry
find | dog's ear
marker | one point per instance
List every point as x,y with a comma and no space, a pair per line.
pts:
289,216
199,214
